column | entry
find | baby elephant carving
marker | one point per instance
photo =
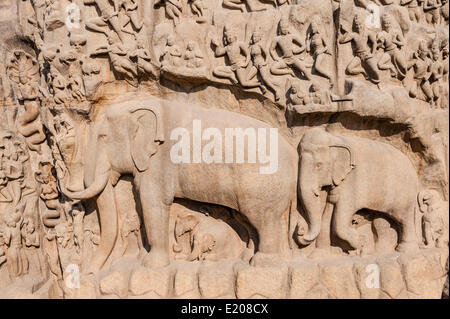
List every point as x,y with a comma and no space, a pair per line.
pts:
199,237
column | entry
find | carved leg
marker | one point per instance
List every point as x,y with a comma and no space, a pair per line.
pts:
319,66
407,237
385,64
269,228
281,68
156,221
302,68
243,79
342,224
225,72
108,215
354,67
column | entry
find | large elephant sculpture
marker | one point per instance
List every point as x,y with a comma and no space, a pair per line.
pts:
133,139
354,174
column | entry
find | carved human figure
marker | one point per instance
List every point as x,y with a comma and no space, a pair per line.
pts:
297,95
173,9
144,61
193,56
414,8
391,42
17,264
238,57
119,57
75,83
316,44
436,73
64,235
259,57
433,223
421,65
3,248
445,10
31,241
171,56
318,95
290,46
130,234
49,194
53,15
365,45
131,10
5,194
78,213
253,5
198,8
432,11
108,16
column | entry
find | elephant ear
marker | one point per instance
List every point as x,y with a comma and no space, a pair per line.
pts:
142,132
343,162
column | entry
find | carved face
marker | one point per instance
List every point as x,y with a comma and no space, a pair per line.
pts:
256,37
358,24
284,27
78,43
387,23
170,40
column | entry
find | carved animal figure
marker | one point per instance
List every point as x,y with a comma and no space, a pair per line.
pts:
201,237
132,139
354,174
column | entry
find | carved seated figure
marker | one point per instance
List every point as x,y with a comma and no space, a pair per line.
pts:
193,57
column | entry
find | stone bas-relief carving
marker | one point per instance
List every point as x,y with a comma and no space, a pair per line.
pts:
95,93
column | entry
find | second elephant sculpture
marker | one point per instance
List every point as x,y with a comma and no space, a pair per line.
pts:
353,174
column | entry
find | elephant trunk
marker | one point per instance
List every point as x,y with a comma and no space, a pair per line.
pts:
312,203
101,179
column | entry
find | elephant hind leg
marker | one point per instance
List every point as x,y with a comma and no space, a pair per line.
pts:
407,238
269,227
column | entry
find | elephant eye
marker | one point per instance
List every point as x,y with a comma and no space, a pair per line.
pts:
319,165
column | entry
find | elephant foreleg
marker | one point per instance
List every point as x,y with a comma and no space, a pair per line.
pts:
342,225
107,212
156,221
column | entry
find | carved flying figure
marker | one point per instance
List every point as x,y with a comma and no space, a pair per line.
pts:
238,56
290,46
391,41
421,65
316,44
365,45
174,9
259,57
414,8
